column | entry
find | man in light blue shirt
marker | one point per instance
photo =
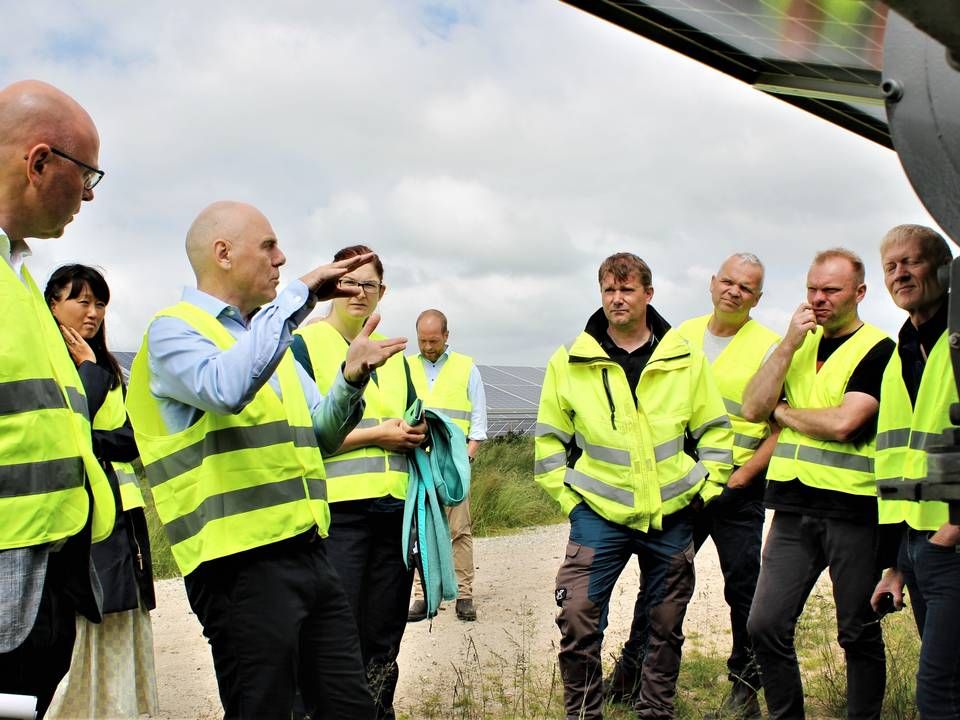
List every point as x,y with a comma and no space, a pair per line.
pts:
275,615
425,369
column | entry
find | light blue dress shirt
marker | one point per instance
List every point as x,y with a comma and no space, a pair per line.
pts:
191,375
475,392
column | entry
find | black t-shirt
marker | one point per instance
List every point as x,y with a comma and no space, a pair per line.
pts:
793,495
633,362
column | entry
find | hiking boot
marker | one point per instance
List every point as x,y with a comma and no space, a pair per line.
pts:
740,704
465,610
417,611
622,685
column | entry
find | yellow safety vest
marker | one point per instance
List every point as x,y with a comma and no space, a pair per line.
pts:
732,370
632,467
449,391
824,464
367,472
905,432
113,415
229,483
45,441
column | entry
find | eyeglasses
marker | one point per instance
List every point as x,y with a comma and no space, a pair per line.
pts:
91,175
370,287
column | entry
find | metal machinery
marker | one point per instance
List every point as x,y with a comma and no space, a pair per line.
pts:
889,72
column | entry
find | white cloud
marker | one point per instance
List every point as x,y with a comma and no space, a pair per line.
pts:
493,152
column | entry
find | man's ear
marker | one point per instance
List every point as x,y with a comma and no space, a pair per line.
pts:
38,157
222,250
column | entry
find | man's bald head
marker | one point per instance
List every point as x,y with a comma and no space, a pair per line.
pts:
40,190
234,254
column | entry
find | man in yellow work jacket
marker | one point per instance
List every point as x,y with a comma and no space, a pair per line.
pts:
230,431
736,346
820,483
450,382
918,389
49,150
631,432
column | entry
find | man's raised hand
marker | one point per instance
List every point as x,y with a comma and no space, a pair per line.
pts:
366,354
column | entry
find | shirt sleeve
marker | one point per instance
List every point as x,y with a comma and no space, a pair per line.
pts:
478,402
554,436
190,368
868,375
334,414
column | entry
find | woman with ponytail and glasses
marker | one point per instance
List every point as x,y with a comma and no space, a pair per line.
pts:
112,670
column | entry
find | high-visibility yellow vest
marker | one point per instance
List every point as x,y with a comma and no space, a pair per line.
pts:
632,467
732,370
449,391
825,464
46,450
905,432
229,483
367,472
112,415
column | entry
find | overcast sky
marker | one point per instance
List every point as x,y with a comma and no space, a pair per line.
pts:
493,153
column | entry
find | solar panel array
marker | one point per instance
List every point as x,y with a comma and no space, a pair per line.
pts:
513,394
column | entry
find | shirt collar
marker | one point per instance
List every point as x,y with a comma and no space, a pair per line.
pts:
213,305
13,252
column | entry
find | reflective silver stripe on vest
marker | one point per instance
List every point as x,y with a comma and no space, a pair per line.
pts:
889,439
551,462
922,440
577,479
668,449
614,456
235,502
125,478
671,490
827,458
747,442
40,477
356,466
304,437
78,401
543,429
720,455
367,423
317,488
25,395
223,441
733,407
453,414
723,421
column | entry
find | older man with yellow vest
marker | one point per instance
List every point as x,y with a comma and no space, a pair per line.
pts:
230,430
918,390
632,437
735,346
450,382
54,496
820,483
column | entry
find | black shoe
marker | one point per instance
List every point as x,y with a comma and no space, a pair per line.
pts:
465,610
740,704
417,611
622,686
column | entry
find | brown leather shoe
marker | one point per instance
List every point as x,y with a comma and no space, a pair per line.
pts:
465,610
417,611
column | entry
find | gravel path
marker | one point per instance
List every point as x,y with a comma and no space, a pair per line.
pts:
514,597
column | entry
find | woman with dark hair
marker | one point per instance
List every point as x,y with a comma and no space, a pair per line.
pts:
112,670
367,477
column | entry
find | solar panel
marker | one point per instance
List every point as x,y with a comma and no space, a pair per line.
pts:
822,55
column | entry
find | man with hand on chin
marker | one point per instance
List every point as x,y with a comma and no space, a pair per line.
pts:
231,430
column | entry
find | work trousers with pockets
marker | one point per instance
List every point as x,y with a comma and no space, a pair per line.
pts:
277,617
596,554
798,549
932,573
366,549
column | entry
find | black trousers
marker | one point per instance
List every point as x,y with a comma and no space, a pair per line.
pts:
365,547
798,549
277,617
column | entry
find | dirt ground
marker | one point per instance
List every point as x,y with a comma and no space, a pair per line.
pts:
514,597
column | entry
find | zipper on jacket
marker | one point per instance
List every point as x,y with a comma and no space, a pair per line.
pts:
606,389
